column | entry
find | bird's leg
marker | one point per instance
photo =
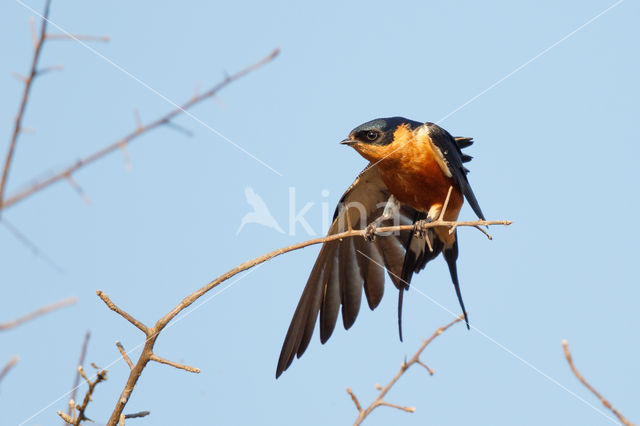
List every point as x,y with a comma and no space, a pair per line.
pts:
391,210
420,228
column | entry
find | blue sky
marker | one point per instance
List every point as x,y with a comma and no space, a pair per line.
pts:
555,152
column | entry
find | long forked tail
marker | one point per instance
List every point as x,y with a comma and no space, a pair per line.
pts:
451,256
400,295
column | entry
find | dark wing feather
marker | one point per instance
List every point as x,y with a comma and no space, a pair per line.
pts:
344,268
451,150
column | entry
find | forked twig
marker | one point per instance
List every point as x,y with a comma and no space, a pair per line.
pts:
139,131
153,332
415,359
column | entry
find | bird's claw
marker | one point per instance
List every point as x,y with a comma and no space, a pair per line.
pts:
420,228
370,232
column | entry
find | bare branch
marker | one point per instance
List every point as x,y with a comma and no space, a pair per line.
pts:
25,97
164,120
37,313
124,355
580,377
77,419
37,251
8,366
76,381
136,415
122,313
354,399
153,332
415,359
188,368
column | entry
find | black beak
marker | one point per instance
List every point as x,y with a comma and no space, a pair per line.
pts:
348,142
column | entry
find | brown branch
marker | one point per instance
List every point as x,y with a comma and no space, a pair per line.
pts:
77,419
153,332
25,97
415,359
8,366
76,381
188,368
122,313
44,310
136,415
164,120
580,377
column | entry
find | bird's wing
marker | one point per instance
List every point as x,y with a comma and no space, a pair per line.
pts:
345,267
451,150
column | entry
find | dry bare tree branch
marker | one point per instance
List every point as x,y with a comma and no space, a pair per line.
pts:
140,130
8,366
76,381
77,418
415,359
567,355
153,332
28,83
174,364
44,310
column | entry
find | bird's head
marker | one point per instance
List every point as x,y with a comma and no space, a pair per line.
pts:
374,138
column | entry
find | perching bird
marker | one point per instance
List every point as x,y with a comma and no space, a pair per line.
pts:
412,166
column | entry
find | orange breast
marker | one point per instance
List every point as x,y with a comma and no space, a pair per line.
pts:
414,173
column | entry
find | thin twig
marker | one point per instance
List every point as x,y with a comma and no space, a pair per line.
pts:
122,313
76,381
153,332
25,97
44,310
188,368
164,120
136,415
37,251
124,354
580,377
8,366
77,419
415,359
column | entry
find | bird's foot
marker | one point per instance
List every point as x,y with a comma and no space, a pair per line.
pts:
370,231
420,228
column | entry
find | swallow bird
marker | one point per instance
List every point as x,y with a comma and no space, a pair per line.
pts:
412,167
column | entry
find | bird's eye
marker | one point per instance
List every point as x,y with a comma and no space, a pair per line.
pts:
372,135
